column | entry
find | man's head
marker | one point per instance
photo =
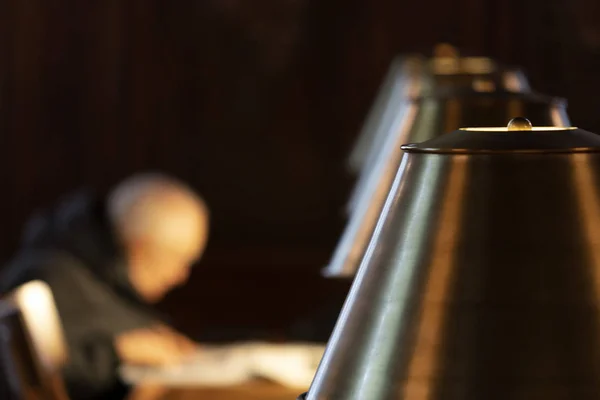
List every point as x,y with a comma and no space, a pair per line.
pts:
163,226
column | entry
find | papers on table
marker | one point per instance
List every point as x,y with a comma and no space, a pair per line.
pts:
292,365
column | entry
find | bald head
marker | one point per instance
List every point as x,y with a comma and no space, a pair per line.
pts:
163,226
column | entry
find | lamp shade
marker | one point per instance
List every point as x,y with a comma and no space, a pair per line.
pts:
416,77
422,98
482,280
421,119
412,76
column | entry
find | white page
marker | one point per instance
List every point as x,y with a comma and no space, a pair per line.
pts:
210,366
292,365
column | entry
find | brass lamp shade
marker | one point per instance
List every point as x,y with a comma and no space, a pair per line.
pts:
412,76
421,119
422,98
482,280
416,77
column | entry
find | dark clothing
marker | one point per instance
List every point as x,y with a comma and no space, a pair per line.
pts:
74,250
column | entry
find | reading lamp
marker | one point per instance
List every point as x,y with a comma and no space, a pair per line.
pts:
482,280
421,99
414,75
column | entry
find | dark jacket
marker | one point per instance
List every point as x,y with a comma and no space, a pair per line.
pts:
74,250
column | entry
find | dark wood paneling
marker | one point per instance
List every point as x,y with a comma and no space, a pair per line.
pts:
256,104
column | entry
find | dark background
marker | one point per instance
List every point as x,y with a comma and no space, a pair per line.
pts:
254,103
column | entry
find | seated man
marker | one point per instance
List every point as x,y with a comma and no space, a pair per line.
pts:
105,261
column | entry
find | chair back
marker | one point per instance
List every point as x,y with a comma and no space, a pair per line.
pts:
37,340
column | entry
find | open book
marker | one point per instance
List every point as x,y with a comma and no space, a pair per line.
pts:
292,365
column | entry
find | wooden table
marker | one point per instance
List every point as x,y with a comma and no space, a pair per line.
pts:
259,390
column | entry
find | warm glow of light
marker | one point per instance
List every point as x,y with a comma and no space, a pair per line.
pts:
535,128
478,65
515,81
484,85
43,326
559,116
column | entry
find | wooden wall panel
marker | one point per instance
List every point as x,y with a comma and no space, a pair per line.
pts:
256,104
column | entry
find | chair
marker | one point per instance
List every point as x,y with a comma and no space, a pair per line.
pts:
10,385
38,345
